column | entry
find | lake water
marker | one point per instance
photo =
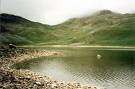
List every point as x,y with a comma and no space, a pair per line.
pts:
114,70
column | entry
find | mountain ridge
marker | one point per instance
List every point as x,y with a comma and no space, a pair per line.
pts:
102,28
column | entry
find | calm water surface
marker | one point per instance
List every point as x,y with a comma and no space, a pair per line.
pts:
115,70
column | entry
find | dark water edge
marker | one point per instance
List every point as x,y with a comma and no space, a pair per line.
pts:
115,69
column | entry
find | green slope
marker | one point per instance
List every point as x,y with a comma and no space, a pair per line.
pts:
17,30
102,28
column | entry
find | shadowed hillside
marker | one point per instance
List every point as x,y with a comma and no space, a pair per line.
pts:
17,30
102,28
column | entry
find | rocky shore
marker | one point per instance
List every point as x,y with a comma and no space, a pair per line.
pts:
25,79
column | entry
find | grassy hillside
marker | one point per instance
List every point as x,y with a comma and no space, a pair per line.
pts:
17,30
102,28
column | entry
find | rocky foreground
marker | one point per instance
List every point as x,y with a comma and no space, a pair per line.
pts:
25,79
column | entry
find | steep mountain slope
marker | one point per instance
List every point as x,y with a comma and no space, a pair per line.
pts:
17,30
102,28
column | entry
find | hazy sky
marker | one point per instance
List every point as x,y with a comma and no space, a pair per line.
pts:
56,11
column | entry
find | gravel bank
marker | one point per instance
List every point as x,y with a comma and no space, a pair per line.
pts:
25,79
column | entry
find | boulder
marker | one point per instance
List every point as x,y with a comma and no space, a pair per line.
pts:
11,46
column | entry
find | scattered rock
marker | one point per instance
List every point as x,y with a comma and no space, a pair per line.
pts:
54,86
38,83
25,79
1,78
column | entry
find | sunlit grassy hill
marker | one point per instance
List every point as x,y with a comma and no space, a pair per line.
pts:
102,28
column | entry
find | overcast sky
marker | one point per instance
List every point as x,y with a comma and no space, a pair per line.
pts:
56,11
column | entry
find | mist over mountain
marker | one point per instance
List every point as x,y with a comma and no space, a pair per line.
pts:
102,28
54,12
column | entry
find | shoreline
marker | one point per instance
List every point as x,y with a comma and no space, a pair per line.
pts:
83,46
22,79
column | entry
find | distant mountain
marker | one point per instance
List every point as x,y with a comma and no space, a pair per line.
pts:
17,30
102,28
7,18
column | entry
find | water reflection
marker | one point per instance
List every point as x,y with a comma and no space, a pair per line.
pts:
115,70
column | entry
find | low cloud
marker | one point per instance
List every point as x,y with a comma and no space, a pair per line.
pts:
56,11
